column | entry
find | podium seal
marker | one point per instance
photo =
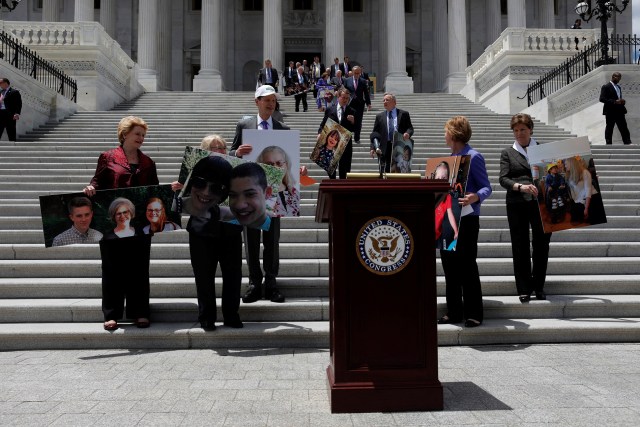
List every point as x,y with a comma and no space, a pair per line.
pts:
384,245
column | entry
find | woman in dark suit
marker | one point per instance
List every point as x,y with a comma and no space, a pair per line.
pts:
522,212
125,262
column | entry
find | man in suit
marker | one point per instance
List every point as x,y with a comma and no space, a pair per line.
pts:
614,110
289,73
302,79
335,67
338,80
387,122
316,70
268,75
265,98
345,116
357,87
10,108
346,66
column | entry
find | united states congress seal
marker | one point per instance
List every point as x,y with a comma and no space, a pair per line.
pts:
384,245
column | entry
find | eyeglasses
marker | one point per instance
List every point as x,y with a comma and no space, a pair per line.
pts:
123,213
201,183
154,211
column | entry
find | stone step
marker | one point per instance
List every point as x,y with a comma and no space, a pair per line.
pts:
186,335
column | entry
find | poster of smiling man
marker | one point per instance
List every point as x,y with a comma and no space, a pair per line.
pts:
568,188
330,146
110,214
280,149
454,169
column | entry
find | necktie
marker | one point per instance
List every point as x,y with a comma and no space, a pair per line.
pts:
391,127
355,83
340,114
269,75
265,125
617,91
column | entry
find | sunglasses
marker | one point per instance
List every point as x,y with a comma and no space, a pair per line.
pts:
201,183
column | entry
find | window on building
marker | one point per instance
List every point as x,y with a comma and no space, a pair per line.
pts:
353,5
96,4
196,5
252,5
503,7
408,6
302,4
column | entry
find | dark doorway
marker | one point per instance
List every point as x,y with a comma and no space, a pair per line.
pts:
299,56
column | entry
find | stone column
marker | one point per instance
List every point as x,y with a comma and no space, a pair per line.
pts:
440,50
209,78
51,10
148,44
517,14
396,80
83,11
108,11
334,31
547,14
164,45
493,18
272,42
457,21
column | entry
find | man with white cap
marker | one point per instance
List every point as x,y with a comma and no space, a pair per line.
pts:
265,98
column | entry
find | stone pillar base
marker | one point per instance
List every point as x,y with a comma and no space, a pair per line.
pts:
455,82
207,83
149,80
399,85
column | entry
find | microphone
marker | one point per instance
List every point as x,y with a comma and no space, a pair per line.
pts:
375,140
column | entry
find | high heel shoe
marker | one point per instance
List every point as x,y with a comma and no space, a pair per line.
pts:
524,298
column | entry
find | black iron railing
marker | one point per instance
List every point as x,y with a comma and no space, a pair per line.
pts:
623,49
28,62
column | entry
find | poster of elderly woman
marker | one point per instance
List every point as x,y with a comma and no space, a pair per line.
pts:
330,146
568,188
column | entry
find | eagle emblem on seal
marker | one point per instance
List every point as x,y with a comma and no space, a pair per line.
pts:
384,248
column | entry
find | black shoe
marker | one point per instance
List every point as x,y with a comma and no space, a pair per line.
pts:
254,293
208,326
524,298
541,295
234,323
273,294
445,320
472,323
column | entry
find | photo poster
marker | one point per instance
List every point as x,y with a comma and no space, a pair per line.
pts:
280,148
331,145
136,210
455,169
192,156
402,154
295,88
568,189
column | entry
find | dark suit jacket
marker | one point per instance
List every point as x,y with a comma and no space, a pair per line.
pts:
345,71
335,67
608,96
322,69
13,101
359,96
337,83
114,171
380,126
332,113
294,73
250,123
263,77
514,168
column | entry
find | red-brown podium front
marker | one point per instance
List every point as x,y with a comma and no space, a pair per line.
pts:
382,275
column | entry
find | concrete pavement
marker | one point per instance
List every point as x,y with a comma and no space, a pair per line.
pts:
511,385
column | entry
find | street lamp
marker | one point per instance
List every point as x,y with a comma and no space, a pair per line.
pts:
5,3
603,11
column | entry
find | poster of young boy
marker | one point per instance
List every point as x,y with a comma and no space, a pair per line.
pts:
330,146
110,214
280,149
402,154
193,155
568,189
455,170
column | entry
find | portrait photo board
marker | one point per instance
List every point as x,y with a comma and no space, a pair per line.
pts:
289,142
401,154
559,194
448,210
325,158
55,214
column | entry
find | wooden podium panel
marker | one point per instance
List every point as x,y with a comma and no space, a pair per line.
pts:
382,316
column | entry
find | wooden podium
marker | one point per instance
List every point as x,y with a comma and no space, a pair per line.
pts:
382,275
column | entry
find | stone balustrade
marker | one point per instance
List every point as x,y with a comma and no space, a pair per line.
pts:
106,75
532,40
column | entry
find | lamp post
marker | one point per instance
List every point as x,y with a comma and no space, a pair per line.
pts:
603,11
